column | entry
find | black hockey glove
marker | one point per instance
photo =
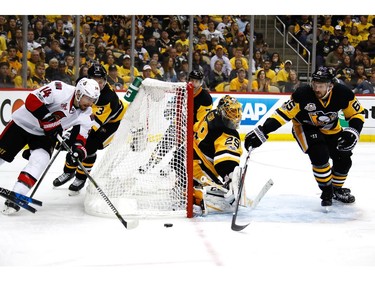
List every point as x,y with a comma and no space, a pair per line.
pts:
348,139
51,124
78,153
255,138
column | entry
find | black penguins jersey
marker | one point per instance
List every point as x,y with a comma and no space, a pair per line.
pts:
109,108
217,147
304,108
202,105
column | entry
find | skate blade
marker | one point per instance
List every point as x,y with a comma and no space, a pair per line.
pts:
326,209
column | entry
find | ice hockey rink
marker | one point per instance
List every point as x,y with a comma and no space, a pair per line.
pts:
289,237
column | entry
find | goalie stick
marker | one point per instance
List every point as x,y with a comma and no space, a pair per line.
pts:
265,188
128,225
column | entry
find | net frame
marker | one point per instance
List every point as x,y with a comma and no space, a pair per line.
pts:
109,169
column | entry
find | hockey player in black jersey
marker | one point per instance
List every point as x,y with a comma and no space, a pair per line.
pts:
217,154
108,113
314,111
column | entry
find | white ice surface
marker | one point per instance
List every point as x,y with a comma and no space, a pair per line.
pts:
289,238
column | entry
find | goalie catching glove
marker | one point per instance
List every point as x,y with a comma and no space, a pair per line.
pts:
255,138
78,154
348,139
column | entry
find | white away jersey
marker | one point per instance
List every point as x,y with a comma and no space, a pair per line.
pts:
57,96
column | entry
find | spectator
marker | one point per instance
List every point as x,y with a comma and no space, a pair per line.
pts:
269,72
323,48
345,71
293,82
61,35
354,37
283,75
358,77
335,57
167,70
276,63
18,82
124,70
224,25
61,74
239,84
258,60
153,31
141,56
114,80
346,25
368,47
55,51
201,65
13,59
86,33
238,54
227,67
301,28
237,65
211,32
155,71
366,61
83,71
146,72
348,49
90,55
5,79
183,40
151,47
52,69
217,76
173,30
39,78
337,35
120,39
363,26
261,83
241,42
164,43
242,21
327,26
99,33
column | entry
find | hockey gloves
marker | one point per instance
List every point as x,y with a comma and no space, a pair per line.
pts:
66,139
255,138
51,125
348,139
78,154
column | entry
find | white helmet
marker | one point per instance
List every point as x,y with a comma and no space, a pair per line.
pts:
87,87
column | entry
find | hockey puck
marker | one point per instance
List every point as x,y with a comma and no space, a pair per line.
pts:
168,224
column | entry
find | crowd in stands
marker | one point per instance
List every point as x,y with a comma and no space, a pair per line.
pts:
220,50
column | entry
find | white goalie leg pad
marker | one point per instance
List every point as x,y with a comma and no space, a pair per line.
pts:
216,202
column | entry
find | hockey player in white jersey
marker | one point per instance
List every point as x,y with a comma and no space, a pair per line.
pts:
47,112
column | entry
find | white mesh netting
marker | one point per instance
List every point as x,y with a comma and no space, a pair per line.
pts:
143,171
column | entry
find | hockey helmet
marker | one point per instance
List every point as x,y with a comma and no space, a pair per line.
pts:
87,87
96,70
230,110
323,74
196,74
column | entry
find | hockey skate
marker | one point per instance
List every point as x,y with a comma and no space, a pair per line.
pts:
199,207
326,196
63,178
76,186
343,195
10,208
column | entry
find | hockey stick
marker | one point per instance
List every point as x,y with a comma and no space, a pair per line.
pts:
254,203
128,225
19,196
45,171
234,225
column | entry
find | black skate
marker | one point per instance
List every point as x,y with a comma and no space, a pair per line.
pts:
63,178
326,196
343,195
76,186
10,208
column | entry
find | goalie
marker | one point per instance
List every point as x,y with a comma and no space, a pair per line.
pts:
217,153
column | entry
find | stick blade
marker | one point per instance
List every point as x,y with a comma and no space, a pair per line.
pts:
237,227
132,224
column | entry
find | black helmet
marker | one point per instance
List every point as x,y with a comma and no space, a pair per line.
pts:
97,70
323,74
196,74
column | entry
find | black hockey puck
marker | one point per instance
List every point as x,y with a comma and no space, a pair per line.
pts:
168,224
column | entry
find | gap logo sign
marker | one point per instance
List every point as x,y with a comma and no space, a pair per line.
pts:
253,109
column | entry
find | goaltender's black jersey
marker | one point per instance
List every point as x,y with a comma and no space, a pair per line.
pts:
304,108
217,148
109,108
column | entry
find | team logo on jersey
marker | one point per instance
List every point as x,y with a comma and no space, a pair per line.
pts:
319,118
64,106
310,107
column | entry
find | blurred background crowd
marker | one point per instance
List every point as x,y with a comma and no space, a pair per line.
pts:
220,50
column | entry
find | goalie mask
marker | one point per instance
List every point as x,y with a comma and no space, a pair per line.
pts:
231,111
322,82
88,88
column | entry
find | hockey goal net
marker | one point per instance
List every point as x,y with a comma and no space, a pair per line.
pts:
146,170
